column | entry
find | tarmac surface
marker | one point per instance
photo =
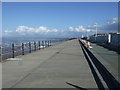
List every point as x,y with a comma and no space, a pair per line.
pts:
52,67
108,58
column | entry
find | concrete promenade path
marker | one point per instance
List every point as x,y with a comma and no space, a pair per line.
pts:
51,67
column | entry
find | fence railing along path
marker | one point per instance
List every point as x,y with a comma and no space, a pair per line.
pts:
15,50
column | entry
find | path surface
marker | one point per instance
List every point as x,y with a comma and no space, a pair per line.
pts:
51,67
108,58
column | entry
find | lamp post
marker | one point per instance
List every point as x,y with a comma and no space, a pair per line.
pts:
96,33
96,29
87,34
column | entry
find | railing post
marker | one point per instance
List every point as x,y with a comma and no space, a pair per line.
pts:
29,47
13,51
35,45
22,48
39,45
48,43
43,44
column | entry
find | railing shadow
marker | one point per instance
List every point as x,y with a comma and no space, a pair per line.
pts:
111,82
96,77
78,87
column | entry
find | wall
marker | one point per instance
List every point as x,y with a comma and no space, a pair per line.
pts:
115,39
114,43
99,39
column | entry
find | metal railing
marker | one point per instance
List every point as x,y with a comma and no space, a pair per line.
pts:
16,50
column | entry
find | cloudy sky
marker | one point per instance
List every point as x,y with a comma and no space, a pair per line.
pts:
58,19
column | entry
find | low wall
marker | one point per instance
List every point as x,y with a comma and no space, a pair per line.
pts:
112,43
115,39
99,39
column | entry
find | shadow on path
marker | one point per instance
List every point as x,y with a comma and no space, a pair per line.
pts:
78,87
111,82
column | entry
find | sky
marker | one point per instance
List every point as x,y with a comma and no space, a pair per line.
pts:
58,19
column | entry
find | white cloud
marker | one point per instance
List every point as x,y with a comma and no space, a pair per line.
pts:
28,31
31,30
113,20
22,29
45,32
79,29
53,30
71,29
42,28
7,31
111,26
42,31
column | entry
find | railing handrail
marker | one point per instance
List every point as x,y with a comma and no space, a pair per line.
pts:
28,47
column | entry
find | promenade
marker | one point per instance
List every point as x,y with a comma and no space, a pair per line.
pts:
60,66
